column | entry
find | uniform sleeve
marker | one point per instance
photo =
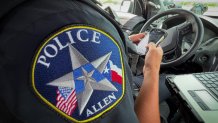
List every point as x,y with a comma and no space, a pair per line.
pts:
25,31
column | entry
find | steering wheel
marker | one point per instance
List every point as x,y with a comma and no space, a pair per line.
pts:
172,44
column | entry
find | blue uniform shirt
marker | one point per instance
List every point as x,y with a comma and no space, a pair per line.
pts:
63,61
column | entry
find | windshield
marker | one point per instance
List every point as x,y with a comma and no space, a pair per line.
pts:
201,7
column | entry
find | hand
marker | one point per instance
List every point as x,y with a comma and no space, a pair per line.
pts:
136,38
153,58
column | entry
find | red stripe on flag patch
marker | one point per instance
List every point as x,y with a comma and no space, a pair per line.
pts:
116,77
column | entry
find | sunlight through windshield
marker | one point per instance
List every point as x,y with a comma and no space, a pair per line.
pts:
201,7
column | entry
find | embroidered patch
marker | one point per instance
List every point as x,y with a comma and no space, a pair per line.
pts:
79,72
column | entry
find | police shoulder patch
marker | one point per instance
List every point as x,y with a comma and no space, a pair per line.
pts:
78,71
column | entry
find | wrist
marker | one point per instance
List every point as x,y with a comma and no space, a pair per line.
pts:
151,71
151,80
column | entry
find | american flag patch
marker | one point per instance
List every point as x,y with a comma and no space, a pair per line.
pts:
66,100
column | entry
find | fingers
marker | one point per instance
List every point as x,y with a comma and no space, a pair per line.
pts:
137,37
152,46
140,35
159,48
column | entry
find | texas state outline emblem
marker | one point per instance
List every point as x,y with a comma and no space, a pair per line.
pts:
78,71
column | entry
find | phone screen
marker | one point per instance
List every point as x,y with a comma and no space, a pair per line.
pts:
156,34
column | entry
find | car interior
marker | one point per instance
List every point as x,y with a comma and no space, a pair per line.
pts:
191,45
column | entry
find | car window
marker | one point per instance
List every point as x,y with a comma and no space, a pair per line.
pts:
116,4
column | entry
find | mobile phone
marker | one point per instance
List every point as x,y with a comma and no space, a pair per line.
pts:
157,35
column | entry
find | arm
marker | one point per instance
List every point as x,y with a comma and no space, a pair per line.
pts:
147,104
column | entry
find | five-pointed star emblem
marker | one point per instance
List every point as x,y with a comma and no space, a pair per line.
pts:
90,84
106,70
